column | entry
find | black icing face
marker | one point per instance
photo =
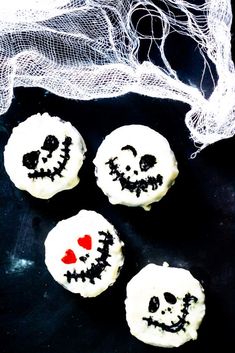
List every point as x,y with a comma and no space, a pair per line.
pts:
45,155
95,264
168,307
137,175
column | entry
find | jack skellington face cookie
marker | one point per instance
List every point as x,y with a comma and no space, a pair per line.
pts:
84,253
164,306
135,166
44,155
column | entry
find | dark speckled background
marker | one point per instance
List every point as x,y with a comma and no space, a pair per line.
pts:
193,227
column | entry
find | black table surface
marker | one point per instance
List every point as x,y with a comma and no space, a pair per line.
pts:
192,227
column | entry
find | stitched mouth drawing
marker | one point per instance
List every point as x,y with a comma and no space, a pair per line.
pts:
137,186
51,144
98,266
175,326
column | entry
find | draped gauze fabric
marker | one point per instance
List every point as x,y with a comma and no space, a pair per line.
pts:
86,49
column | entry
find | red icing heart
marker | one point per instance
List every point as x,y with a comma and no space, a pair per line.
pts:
85,242
69,257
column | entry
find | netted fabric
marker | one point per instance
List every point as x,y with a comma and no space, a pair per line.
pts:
86,49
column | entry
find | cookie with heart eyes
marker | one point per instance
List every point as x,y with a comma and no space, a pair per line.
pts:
135,166
164,306
84,253
44,155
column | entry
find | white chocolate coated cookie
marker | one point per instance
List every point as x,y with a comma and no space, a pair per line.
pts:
84,253
44,155
135,166
164,306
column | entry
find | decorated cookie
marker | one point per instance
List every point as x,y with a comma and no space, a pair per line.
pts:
44,155
164,306
84,253
135,166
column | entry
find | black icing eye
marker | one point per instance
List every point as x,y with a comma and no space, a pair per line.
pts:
170,298
130,148
146,162
30,160
153,304
50,144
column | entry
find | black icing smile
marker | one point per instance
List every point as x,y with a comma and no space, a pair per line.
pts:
51,143
134,186
99,265
175,326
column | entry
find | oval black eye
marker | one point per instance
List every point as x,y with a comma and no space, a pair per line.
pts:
146,162
30,160
170,298
50,144
153,304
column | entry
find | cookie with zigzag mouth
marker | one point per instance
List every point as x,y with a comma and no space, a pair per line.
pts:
84,253
135,166
44,155
164,305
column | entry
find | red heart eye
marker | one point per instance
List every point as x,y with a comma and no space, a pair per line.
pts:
85,242
69,257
